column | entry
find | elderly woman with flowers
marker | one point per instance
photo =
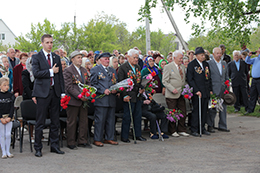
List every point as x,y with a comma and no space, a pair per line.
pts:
149,68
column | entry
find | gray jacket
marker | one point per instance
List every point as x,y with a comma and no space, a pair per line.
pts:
102,80
218,81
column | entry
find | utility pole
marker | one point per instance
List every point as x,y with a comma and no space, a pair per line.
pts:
148,41
175,28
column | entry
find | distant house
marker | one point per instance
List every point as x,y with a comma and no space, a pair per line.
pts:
6,35
177,42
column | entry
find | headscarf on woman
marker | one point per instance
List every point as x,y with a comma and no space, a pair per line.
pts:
161,62
146,65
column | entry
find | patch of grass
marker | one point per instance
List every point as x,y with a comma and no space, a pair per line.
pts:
256,113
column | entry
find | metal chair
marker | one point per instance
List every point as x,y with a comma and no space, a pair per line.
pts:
16,123
28,110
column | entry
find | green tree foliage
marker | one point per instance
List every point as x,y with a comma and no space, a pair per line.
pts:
255,40
32,40
234,19
104,32
209,43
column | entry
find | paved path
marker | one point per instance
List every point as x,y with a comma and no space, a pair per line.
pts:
237,151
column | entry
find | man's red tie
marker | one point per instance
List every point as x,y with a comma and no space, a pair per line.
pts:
49,62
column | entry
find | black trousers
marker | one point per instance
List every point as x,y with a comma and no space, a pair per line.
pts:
152,117
254,93
195,113
51,105
241,95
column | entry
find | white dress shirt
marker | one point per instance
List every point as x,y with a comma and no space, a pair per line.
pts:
219,65
51,70
200,63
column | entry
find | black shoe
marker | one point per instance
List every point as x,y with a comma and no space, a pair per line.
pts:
140,138
224,130
237,110
195,134
91,134
57,151
85,145
211,130
247,113
38,153
125,140
205,132
72,147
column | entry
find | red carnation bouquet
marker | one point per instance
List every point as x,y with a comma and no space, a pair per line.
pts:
64,102
127,84
227,85
88,92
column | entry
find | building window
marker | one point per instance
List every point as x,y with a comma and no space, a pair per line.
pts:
2,36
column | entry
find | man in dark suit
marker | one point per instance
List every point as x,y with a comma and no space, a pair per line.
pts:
237,71
198,77
48,89
72,75
131,69
102,77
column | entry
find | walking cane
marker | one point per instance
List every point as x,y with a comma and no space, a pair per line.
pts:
131,115
200,113
160,133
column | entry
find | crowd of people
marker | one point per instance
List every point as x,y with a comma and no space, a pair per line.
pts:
47,76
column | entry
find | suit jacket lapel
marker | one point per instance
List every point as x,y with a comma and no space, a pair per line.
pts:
215,67
103,70
175,70
44,58
76,73
82,75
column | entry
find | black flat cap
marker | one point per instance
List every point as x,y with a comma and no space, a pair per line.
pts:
105,54
199,50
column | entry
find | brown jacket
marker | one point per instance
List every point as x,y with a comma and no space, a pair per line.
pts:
71,76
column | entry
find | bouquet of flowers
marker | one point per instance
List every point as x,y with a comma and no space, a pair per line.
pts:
173,115
227,85
88,92
187,92
64,102
149,83
215,102
127,84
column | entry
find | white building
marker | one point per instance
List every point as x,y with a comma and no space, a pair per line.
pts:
6,35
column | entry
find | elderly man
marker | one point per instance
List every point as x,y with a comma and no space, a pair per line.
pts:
199,77
219,74
133,70
255,86
13,61
102,77
75,111
224,56
237,71
174,79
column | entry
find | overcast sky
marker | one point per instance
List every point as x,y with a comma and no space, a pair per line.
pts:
19,14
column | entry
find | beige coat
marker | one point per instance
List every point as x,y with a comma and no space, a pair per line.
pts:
172,80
